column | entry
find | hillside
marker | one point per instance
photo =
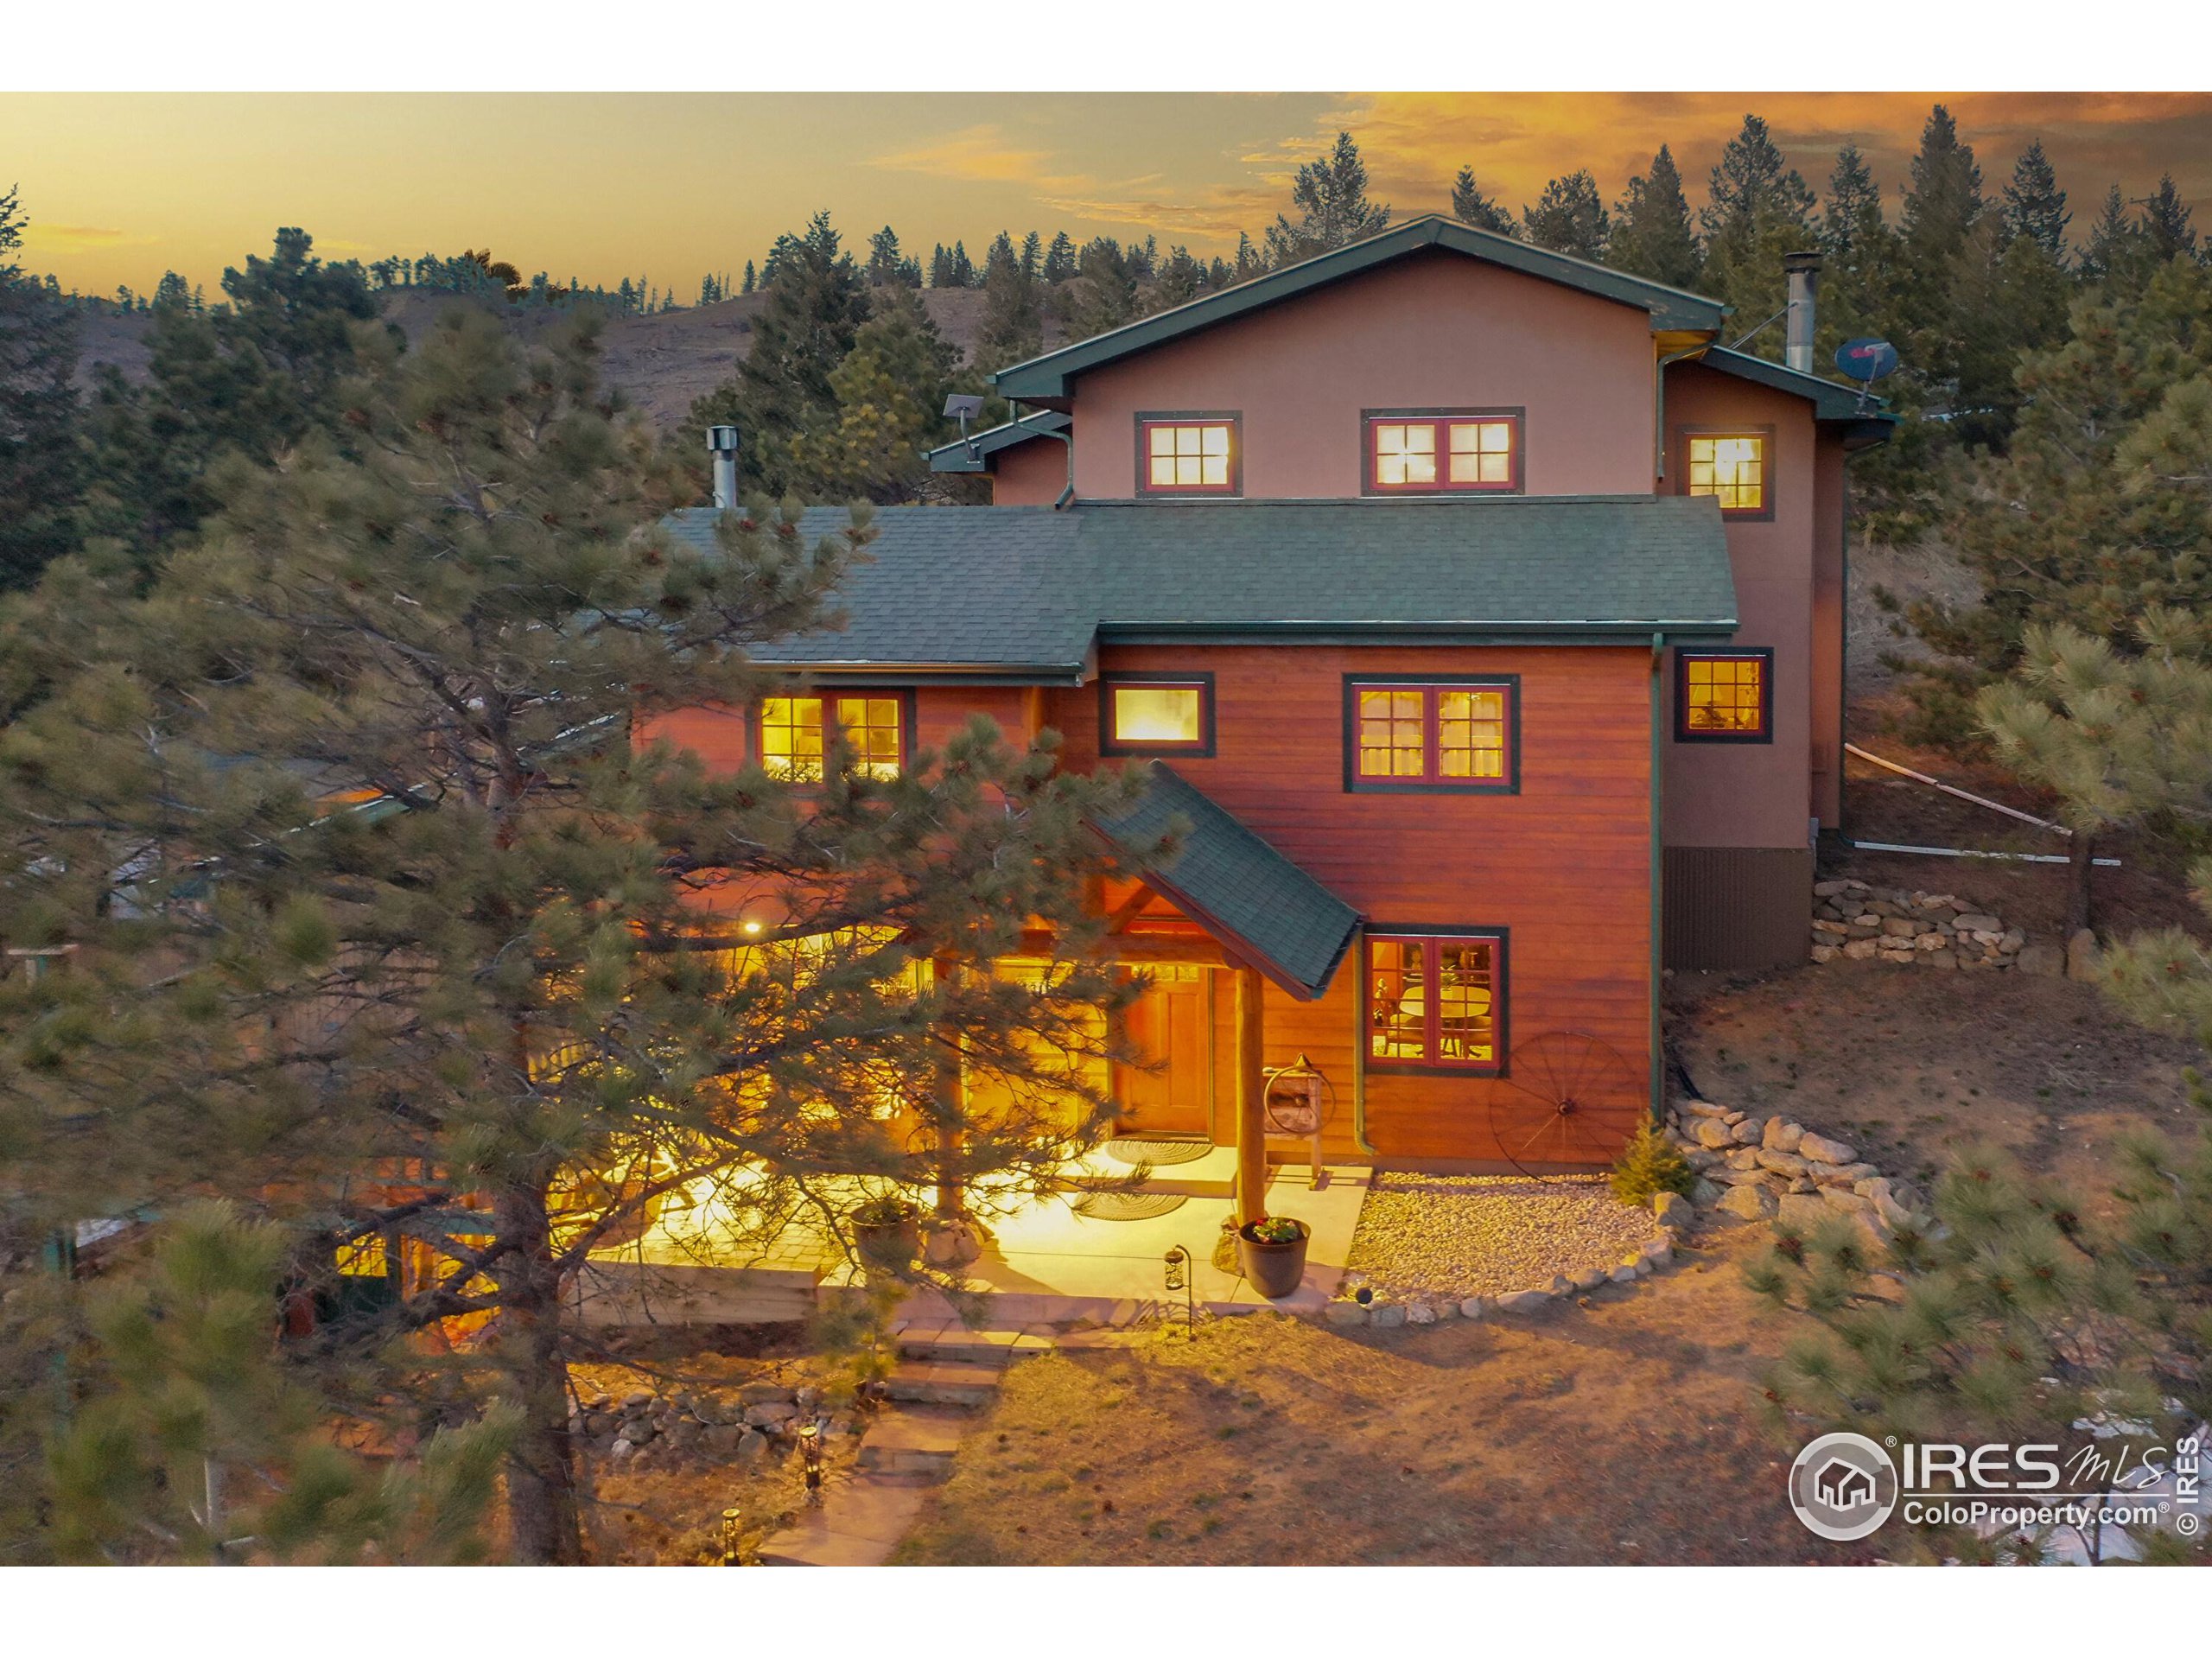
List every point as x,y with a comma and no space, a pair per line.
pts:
663,361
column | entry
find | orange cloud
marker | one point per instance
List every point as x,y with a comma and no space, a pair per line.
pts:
978,153
69,238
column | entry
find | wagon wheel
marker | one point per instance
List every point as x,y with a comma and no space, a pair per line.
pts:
1567,1098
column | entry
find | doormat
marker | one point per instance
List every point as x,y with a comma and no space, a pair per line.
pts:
1129,1206
1138,1149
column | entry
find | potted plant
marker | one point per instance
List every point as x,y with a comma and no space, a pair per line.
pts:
887,1231
1273,1251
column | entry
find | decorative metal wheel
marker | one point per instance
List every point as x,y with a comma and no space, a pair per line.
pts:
1567,1100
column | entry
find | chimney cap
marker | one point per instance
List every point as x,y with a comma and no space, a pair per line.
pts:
1796,262
721,439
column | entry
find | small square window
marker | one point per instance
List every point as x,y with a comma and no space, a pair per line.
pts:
1732,466
1188,457
1723,696
1164,713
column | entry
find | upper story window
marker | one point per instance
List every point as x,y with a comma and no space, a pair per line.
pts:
1732,466
1433,734
1723,696
1435,1000
1155,714
792,743
1188,455
1434,451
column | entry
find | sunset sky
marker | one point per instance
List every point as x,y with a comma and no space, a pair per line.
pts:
121,187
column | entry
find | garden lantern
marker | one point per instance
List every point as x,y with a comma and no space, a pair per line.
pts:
810,1453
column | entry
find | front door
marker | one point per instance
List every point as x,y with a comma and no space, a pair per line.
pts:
1171,1025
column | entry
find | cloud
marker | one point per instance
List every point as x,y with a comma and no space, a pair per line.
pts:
975,152
1214,214
73,238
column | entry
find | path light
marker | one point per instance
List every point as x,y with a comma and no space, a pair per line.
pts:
726,1537
810,1453
1178,1261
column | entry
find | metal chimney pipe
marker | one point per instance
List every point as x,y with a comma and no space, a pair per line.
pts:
1803,271
722,445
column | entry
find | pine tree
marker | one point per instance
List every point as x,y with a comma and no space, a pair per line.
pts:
1248,262
1859,275
1470,207
255,377
747,286
889,391
1649,1166
518,985
40,469
1032,257
1103,295
1569,218
815,302
2115,737
884,261
1014,319
2167,226
1758,208
1180,279
2035,207
1651,232
1330,196
1059,259
961,268
1944,265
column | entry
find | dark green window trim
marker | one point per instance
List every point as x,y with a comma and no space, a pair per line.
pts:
1355,784
1501,999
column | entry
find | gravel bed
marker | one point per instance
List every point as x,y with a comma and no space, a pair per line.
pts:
1460,1235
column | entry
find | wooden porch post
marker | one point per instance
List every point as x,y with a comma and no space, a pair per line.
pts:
1251,1126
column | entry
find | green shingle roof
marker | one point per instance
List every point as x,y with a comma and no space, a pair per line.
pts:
1232,883
1671,309
1028,593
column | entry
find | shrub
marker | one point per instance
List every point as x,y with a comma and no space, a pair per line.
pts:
1649,1166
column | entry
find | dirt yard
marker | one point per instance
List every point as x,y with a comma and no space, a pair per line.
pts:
1624,1431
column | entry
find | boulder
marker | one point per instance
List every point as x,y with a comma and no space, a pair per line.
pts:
1829,889
638,1400
721,1440
1420,1314
1673,1209
1387,1316
774,1414
2045,960
1825,953
1747,1204
1561,1286
1781,1163
1781,1134
1947,960
1658,1252
1703,1109
1748,1131
1629,1271
1859,950
1706,1194
1474,1307
1975,922
1900,927
1590,1278
1850,1175
1800,1211
762,1394
752,1446
2081,954
1712,1132
1821,1149
1522,1301
1843,1199
1742,1158
1345,1313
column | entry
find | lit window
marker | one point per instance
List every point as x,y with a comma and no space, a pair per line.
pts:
1435,1001
363,1257
1721,696
1730,466
1431,736
1444,452
1144,712
1189,458
792,745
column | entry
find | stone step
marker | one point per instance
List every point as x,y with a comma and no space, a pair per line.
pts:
860,1520
943,1382
915,1440
955,1342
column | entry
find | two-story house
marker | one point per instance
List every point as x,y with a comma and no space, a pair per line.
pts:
1476,610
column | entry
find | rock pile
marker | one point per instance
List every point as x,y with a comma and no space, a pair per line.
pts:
643,1427
1754,1168
1857,921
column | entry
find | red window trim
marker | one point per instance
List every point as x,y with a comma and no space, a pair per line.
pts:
1110,743
905,694
1429,938
1431,782
1763,656
1372,483
1765,435
1233,419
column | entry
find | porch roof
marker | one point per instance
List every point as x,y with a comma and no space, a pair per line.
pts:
1027,593
1257,903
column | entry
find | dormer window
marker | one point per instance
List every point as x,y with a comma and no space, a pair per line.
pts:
1421,452
1188,455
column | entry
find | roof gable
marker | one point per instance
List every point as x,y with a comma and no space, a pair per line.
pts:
1671,309
1830,399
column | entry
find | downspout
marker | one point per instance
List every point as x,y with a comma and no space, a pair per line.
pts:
1659,404
1658,1065
1066,437
1358,953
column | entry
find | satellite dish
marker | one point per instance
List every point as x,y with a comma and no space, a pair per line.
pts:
1866,358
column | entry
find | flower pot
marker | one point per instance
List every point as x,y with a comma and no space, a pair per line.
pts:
1275,1270
888,1244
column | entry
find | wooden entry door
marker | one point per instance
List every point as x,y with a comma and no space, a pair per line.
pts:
1172,1026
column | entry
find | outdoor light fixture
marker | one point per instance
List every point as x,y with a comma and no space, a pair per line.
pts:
810,1453
1177,1261
726,1537
752,929
963,406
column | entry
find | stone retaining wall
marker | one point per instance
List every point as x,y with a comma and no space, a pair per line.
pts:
1756,1168
1857,920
